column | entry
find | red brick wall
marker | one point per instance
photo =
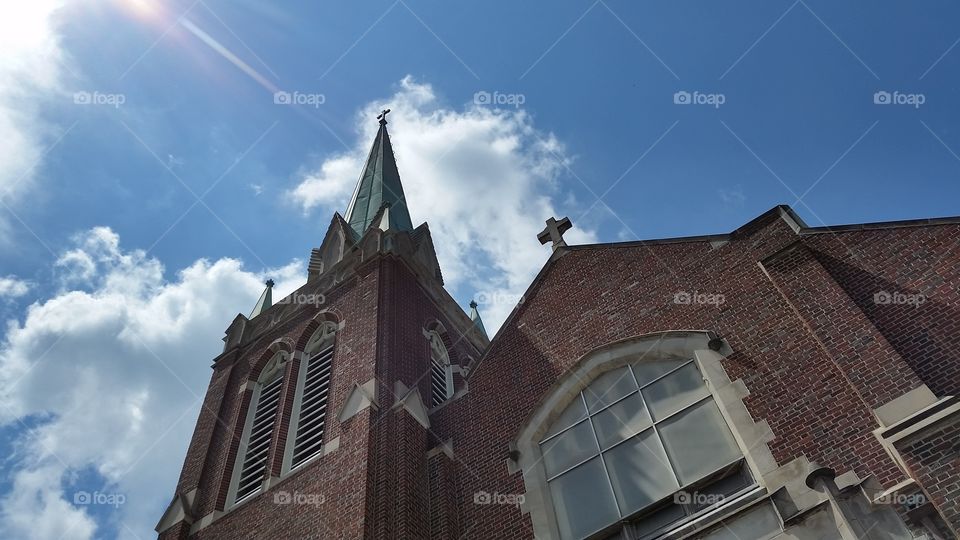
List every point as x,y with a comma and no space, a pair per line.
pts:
911,261
591,297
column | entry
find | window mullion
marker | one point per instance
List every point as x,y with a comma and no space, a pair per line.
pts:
656,432
606,472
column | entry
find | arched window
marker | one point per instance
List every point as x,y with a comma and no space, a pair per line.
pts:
313,391
251,465
632,440
441,372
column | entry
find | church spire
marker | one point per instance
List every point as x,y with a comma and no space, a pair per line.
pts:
379,186
265,301
475,317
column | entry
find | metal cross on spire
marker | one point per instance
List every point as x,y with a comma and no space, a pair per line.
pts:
383,116
554,231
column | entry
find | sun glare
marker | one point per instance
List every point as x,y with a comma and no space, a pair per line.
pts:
144,9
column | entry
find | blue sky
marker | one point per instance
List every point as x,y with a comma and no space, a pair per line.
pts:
100,202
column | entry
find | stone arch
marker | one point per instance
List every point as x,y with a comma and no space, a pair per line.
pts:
318,320
702,346
281,345
452,358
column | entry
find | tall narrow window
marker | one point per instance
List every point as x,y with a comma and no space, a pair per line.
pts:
258,430
313,389
441,374
636,443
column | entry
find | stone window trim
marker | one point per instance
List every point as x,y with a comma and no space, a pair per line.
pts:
525,454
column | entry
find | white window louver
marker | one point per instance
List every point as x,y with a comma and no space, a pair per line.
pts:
258,442
440,384
313,407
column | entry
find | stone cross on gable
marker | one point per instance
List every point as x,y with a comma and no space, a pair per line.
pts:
554,231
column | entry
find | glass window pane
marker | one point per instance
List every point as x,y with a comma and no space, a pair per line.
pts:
569,448
570,416
675,391
760,523
608,388
698,442
640,472
621,421
647,370
583,501
718,491
659,519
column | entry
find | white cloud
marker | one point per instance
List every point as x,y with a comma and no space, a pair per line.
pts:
13,287
109,378
485,179
31,61
732,197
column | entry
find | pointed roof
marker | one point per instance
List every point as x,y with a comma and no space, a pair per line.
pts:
475,317
379,185
265,301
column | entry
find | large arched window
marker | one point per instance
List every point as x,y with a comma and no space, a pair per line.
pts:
631,441
254,452
441,372
309,418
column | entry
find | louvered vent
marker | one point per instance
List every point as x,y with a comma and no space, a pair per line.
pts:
438,377
258,447
313,407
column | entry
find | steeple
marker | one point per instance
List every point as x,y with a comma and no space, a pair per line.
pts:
475,317
379,185
265,301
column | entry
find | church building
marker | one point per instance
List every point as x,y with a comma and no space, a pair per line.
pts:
778,382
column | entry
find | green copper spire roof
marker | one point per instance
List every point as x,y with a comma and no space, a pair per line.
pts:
379,184
475,317
266,300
